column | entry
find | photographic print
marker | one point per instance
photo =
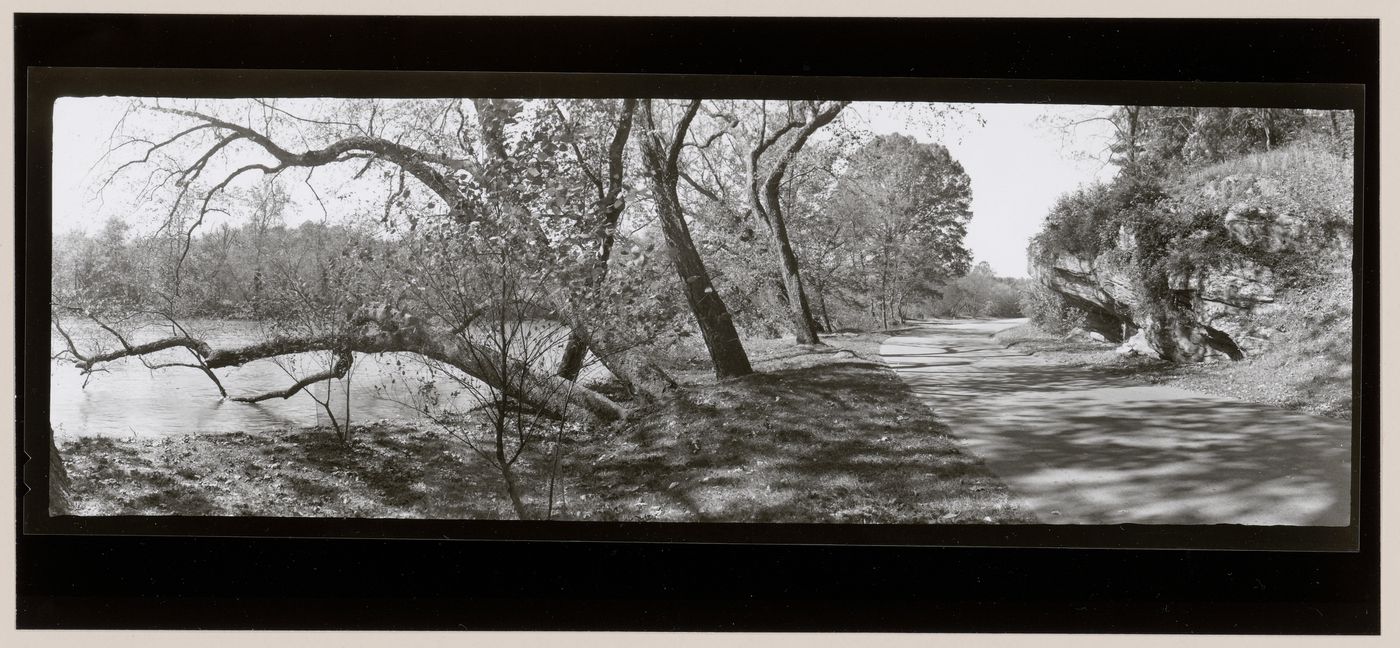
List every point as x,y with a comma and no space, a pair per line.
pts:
508,323
643,309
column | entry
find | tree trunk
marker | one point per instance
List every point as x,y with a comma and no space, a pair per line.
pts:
503,464
513,492
610,207
641,378
571,362
716,326
554,395
629,365
826,317
804,326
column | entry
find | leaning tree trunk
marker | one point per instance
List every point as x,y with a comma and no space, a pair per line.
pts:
571,360
629,365
716,325
385,332
771,209
794,297
799,309
610,207
638,374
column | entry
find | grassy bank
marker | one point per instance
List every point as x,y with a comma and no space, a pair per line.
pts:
1309,362
389,471
825,434
818,435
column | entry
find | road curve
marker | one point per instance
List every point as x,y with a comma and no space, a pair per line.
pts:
1084,448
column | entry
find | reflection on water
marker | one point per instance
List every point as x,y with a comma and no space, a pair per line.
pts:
130,400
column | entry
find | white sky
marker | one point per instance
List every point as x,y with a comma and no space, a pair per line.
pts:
1017,166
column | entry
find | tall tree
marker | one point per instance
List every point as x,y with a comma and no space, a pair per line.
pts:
910,204
546,147
661,154
766,174
607,210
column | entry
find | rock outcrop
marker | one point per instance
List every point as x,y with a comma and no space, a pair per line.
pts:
1219,310
1214,313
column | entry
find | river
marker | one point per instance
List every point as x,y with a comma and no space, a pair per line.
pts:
130,400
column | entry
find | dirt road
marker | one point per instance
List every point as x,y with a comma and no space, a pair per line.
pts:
1084,448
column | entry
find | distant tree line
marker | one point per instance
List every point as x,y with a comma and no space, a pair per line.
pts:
240,271
980,293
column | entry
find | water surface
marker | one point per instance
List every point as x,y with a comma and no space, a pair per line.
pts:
129,399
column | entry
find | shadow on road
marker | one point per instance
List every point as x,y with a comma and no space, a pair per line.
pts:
1083,447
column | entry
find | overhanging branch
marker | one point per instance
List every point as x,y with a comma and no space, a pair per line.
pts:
343,361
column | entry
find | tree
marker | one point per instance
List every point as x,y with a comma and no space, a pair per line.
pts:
496,307
451,163
607,211
909,204
765,185
822,238
264,204
661,153
1151,141
571,210
980,293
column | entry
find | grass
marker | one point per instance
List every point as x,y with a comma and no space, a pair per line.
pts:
820,434
389,472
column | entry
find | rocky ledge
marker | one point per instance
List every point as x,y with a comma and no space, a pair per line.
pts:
1220,310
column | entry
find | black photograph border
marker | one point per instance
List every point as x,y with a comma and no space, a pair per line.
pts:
94,55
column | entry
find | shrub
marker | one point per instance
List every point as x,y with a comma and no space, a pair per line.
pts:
1049,311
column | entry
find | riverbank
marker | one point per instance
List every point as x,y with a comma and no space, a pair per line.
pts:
820,434
1314,382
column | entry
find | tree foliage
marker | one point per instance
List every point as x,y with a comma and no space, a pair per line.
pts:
905,208
641,223
459,231
980,293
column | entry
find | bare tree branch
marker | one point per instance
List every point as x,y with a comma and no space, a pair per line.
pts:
571,137
416,162
341,366
152,149
678,140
